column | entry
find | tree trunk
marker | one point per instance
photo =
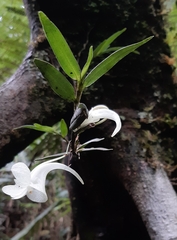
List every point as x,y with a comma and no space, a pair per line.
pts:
127,194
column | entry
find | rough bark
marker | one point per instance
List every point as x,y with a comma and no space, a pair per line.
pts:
127,192
26,97
150,188
102,204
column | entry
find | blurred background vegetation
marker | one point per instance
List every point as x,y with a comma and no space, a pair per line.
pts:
14,36
23,219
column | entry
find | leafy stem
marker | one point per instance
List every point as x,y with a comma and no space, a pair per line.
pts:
81,78
79,94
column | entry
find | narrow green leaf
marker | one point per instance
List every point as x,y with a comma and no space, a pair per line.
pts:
58,82
112,49
110,61
60,48
87,64
116,48
105,44
39,127
63,128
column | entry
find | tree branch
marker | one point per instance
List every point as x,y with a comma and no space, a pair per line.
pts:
157,202
26,97
149,186
32,8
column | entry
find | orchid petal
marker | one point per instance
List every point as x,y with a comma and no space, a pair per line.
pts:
101,106
51,156
22,174
40,172
14,191
90,141
109,114
55,159
97,148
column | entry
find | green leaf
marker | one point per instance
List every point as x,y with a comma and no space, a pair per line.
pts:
58,82
87,64
63,128
110,61
105,44
60,48
39,127
116,48
112,49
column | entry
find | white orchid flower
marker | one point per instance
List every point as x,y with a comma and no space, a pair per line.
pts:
99,114
32,183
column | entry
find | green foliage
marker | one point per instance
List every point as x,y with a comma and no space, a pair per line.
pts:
16,10
171,30
60,48
47,144
61,130
14,32
88,62
70,66
110,61
39,127
103,46
57,80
